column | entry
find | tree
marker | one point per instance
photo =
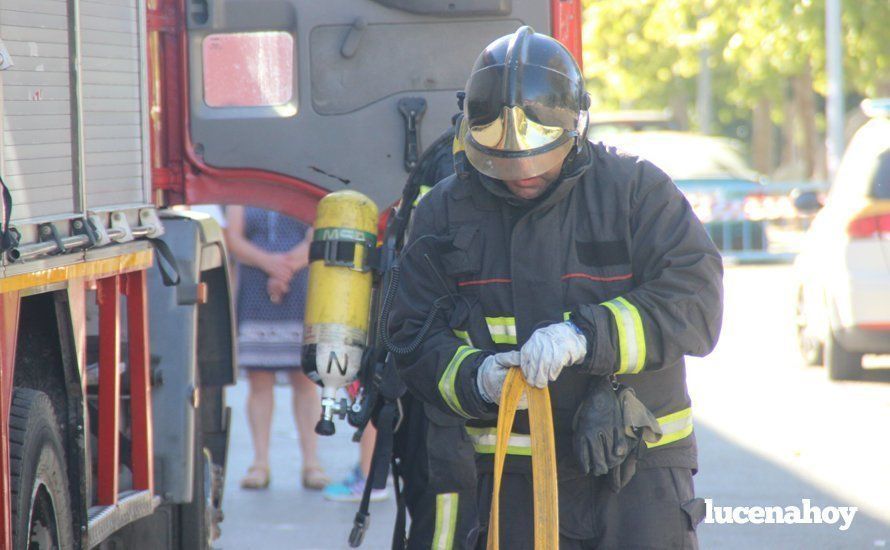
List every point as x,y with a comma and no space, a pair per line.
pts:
765,55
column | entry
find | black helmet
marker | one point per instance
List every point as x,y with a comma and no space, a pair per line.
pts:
525,106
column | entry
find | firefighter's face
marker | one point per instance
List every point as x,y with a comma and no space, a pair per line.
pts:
532,188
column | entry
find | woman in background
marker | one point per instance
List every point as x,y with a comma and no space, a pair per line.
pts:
273,251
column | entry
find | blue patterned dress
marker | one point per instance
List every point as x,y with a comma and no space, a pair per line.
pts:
270,335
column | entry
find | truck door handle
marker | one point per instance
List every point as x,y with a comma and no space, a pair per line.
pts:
353,37
412,109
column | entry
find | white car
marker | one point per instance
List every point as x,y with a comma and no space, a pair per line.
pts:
843,270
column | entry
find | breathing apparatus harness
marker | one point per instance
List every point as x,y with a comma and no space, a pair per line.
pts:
381,386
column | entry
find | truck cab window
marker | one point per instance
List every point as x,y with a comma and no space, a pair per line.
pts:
248,69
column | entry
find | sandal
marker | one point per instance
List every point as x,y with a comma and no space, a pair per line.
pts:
257,477
314,478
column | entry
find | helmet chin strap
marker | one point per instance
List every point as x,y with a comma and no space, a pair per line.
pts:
580,138
581,130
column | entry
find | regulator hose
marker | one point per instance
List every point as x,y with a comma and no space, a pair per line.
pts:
388,298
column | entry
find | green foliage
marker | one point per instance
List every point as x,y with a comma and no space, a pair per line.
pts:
642,53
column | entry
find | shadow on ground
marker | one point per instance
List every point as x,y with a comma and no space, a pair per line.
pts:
733,476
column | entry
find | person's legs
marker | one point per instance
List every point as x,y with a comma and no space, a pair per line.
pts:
260,405
351,487
307,410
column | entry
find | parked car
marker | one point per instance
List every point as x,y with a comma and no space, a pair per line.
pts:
843,270
724,190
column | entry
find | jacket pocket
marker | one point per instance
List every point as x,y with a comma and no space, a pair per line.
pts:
452,465
463,257
599,254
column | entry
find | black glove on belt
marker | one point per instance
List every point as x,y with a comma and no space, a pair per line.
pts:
607,429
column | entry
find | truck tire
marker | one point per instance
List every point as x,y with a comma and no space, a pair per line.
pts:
196,519
840,363
41,503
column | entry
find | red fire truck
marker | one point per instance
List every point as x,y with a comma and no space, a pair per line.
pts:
116,316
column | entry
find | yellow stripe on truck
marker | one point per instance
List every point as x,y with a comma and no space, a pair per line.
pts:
133,261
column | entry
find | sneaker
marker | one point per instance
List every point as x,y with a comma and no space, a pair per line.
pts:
351,489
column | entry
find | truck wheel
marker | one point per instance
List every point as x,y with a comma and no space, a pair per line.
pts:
197,517
840,363
810,346
41,505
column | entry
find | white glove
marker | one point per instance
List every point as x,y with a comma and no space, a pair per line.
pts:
549,350
492,373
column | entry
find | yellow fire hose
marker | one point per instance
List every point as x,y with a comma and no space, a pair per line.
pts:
546,502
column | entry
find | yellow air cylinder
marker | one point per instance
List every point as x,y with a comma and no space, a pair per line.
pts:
339,300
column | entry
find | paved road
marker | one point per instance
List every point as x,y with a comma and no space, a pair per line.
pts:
771,432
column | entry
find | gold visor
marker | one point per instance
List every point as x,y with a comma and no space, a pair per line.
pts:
514,131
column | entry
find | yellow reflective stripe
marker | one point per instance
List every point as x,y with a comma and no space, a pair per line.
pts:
485,440
463,335
446,383
502,329
446,520
566,315
424,189
674,427
631,338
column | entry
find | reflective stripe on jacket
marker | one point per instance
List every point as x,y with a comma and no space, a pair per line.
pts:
613,243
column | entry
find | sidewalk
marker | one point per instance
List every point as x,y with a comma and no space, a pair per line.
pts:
286,516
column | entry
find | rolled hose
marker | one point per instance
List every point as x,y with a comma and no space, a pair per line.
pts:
546,499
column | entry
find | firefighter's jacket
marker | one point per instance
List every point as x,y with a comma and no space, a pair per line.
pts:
613,245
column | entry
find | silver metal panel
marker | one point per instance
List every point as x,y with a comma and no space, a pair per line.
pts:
36,139
12,77
51,7
114,103
37,107
111,158
23,93
20,170
113,145
36,34
112,132
49,51
43,194
29,152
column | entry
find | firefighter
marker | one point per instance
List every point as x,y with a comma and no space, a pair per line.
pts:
578,265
